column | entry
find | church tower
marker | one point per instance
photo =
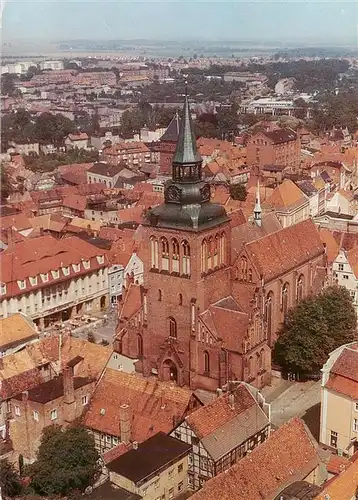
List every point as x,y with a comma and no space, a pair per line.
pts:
187,266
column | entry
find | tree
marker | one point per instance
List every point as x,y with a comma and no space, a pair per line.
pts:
315,327
9,479
238,192
67,460
7,84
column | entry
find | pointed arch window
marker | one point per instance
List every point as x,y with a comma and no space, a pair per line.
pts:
206,363
216,244
165,254
250,275
262,359
154,253
175,255
186,258
300,288
223,248
210,254
243,268
285,298
172,327
140,345
180,299
160,295
268,314
204,256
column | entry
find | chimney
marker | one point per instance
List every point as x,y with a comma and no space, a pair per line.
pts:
68,394
124,424
231,401
219,392
24,396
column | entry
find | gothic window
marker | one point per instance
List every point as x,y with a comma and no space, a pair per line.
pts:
243,268
285,302
180,299
206,363
154,253
216,251
262,359
251,366
160,295
175,256
299,288
223,248
193,317
250,275
140,345
165,254
204,256
172,328
210,254
268,313
186,258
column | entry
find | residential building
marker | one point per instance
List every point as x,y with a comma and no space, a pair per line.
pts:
342,202
52,280
16,332
345,272
79,140
26,148
344,485
59,401
105,173
284,86
51,65
126,408
276,147
289,455
156,468
339,401
128,153
271,105
289,203
222,432
115,282
100,141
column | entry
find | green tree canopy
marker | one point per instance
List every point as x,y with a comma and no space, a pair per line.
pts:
9,479
314,328
66,461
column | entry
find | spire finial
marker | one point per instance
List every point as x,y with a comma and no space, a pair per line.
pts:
257,209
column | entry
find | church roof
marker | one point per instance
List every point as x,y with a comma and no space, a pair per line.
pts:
186,150
172,132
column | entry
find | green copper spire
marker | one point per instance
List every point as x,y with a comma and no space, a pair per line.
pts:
186,151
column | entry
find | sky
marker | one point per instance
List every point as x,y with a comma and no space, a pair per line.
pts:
330,22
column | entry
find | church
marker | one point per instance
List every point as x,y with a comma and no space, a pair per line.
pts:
214,296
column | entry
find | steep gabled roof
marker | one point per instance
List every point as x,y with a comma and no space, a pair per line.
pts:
281,251
287,456
286,196
172,132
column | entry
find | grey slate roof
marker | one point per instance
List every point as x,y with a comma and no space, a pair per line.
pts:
186,150
235,432
172,132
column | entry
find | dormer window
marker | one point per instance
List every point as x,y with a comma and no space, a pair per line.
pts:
76,268
55,274
100,259
44,277
33,280
22,284
86,264
66,271
2,289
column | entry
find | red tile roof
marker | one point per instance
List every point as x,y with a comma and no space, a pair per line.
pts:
337,464
213,416
281,251
286,196
81,136
18,221
346,364
287,456
132,302
154,406
42,255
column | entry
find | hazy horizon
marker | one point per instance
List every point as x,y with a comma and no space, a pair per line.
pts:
259,21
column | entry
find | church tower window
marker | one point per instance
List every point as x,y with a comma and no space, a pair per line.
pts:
154,253
165,254
172,328
175,256
186,258
204,256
